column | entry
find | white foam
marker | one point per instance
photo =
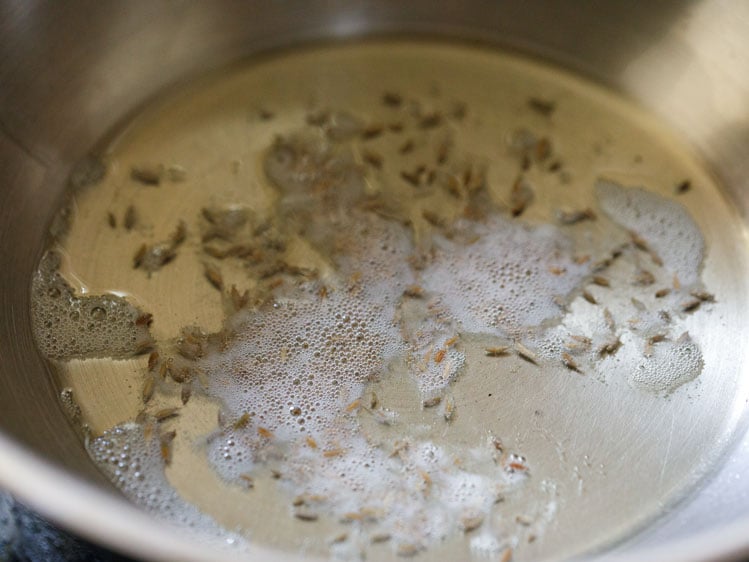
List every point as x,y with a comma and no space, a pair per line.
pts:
67,326
664,224
135,465
667,365
508,279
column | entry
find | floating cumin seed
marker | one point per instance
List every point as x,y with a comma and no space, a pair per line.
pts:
165,443
570,217
656,339
660,293
264,433
130,218
215,252
145,319
413,178
683,187
525,353
392,99
691,305
644,278
147,175
431,120
341,537
213,276
704,296
570,363
111,220
497,351
304,514
330,453
588,297
265,115
185,393
432,402
525,163
407,549
148,388
239,300
470,521
353,406
373,131
166,368
140,254
440,355
521,196
242,421
638,304
373,158
248,480
179,235
610,347
601,281
433,218
449,408
442,152
541,106
542,150
165,414
579,343
413,292
639,242
407,147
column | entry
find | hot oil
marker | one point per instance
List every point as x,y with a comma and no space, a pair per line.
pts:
467,329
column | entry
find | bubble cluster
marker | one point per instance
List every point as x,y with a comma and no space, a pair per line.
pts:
68,326
415,494
133,462
666,225
511,277
295,364
666,366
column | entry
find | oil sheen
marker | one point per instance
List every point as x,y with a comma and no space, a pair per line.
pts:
397,298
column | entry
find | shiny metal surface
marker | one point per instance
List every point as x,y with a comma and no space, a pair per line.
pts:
70,72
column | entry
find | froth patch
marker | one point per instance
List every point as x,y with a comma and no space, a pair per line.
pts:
135,465
511,277
667,365
67,326
295,365
665,224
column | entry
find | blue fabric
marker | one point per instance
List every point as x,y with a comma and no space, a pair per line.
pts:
26,537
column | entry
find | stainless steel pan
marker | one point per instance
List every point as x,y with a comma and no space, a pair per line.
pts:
69,72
